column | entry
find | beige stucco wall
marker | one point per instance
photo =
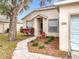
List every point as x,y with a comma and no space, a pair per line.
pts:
5,25
1,28
65,12
19,25
49,14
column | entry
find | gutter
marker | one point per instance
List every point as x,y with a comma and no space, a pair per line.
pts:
66,2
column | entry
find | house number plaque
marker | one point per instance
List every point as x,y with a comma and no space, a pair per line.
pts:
63,23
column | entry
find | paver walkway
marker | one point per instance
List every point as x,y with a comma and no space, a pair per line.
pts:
21,52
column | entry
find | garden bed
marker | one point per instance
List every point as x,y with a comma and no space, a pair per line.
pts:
47,46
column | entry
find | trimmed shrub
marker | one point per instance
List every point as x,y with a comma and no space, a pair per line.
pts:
7,31
49,40
41,47
35,40
46,42
35,44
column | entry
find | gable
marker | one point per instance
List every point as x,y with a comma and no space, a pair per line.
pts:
51,13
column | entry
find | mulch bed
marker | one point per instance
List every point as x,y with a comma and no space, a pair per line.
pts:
51,49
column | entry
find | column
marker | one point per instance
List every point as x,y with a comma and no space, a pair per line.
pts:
35,27
45,25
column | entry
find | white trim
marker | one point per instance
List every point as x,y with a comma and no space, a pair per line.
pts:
66,2
45,8
39,15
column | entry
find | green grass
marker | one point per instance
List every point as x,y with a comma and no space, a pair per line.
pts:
3,36
7,47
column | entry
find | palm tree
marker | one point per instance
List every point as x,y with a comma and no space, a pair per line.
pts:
12,8
43,2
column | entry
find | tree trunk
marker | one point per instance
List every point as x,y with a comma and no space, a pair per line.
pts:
12,26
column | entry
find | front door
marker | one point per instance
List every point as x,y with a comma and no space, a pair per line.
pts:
40,25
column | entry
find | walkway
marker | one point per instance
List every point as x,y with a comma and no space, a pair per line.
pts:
21,52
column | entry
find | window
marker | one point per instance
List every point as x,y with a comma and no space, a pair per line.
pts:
53,25
29,24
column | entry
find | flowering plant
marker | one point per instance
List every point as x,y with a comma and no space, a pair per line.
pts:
38,37
43,34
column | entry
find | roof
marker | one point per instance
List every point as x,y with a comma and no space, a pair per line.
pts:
64,2
5,20
41,9
46,7
59,2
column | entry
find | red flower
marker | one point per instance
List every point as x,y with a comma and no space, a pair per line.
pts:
38,37
43,34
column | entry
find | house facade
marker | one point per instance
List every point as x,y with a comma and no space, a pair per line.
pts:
61,20
69,25
4,25
43,20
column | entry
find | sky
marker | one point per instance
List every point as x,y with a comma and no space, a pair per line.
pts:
34,5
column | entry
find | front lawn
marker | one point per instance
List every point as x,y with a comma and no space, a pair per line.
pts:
7,47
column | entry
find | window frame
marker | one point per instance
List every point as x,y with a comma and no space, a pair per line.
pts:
54,20
30,21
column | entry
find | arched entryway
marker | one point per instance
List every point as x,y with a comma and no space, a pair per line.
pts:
39,24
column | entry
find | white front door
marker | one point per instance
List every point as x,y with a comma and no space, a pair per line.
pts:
40,25
75,33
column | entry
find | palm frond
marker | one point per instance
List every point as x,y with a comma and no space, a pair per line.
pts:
24,5
4,8
50,1
43,2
